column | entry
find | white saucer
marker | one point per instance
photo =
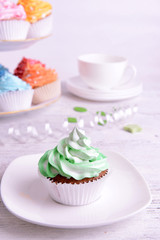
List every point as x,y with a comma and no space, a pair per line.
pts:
76,86
126,193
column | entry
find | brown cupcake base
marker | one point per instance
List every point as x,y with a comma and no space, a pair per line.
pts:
61,179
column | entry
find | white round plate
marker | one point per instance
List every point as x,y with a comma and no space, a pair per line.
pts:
33,107
13,45
76,86
125,194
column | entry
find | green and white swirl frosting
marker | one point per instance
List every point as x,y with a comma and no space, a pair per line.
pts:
73,157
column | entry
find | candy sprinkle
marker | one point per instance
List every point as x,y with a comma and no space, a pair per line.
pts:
103,114
132,128
80,109
72,120
102,123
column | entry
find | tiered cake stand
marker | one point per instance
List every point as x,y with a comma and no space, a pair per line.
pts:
18,45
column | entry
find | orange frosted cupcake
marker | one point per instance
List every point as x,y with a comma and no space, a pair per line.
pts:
39,15
44,81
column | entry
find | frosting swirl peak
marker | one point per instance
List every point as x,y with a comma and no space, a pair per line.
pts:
73,157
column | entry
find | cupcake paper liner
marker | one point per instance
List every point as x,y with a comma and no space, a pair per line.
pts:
14,29
74,194
41,28
16,100
47,92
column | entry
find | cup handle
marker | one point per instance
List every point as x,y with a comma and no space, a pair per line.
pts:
134,71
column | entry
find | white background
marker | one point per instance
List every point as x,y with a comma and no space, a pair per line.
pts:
119,27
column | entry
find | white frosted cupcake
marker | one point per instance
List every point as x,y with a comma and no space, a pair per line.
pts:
74,172
13,24
39,14
15,94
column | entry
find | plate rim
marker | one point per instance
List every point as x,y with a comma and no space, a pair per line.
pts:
91,225
33,107
25,40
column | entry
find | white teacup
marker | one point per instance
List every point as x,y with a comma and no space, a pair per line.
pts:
103,72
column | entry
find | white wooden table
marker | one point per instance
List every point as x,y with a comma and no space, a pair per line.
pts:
142,149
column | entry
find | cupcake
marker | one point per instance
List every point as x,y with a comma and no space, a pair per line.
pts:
15,94
44,81
13,24
73,172
39,14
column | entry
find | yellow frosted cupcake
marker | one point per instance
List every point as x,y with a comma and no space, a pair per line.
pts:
39,15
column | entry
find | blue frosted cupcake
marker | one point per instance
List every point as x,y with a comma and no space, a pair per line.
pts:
15,94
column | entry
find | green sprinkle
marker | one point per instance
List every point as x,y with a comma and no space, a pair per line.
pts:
103,114
72,120
80,109
102,123
132,128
